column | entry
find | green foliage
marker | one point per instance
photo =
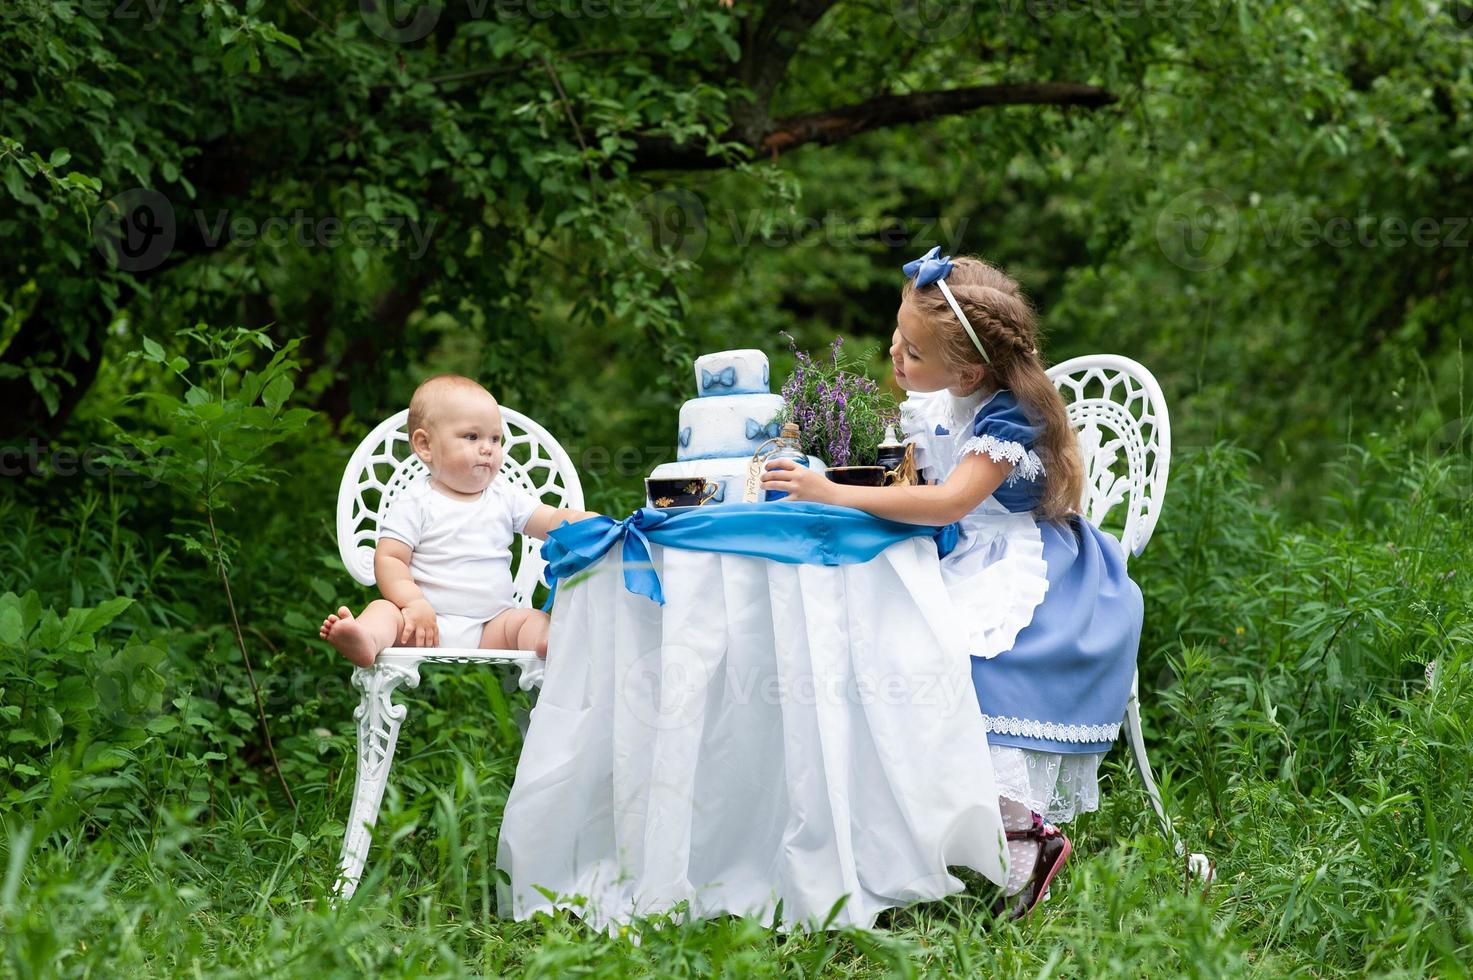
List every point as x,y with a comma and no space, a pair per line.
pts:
217,431
63,681
408,228
1283,681
1273,218
1231,222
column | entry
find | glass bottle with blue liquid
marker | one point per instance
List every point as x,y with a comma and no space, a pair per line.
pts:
788,446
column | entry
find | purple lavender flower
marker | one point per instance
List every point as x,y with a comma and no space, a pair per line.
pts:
838,411
838,453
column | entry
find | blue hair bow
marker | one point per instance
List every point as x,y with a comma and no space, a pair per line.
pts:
725,378
935,267
928,268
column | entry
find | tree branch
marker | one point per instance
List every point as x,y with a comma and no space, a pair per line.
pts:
768,44
844,122
836,125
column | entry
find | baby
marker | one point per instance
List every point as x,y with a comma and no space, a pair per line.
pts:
443,560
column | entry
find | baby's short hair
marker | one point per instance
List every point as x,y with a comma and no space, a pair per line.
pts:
427,397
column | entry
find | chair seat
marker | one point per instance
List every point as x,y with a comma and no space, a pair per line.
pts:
531,665
449,655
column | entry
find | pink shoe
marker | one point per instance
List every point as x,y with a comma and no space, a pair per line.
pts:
1053,851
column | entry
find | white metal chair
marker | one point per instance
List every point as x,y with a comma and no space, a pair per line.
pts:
1117,408
379,469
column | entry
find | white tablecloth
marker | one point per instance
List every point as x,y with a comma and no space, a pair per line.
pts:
793,732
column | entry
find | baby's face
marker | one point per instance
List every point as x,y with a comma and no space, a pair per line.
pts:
466,441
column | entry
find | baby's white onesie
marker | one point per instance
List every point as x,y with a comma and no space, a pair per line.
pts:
462,552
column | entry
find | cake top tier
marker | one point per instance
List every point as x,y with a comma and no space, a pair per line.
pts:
732,372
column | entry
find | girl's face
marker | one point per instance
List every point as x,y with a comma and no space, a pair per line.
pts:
917,363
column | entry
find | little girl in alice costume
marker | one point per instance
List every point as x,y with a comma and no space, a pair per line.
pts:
1054,619
443,558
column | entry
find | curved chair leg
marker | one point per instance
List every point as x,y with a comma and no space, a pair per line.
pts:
1198,863
378,720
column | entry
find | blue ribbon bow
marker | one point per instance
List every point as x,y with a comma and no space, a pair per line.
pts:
794,533
756,430
685,437
928,268
570,551
725,378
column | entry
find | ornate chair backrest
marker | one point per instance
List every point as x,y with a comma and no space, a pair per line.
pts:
383,465
1116,407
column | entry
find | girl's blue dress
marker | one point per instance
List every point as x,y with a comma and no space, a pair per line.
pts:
1055,620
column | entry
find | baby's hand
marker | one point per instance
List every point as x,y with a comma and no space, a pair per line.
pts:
798,482
420,628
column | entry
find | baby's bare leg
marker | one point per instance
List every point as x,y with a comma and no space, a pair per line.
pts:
360,638
517,629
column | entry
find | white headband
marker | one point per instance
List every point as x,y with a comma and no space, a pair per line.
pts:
957,309
934,267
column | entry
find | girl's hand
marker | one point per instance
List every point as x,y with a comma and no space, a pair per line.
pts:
798,482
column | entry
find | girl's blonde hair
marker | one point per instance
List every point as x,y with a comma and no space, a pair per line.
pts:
1007,325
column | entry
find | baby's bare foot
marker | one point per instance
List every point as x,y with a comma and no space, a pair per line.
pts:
349,638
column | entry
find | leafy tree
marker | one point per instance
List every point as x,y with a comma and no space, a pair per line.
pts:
371,186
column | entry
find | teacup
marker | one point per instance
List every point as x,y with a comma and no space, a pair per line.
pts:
857,476
679,491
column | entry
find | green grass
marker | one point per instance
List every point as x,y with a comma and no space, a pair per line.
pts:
1283,674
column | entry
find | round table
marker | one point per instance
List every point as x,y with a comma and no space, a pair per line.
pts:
802,733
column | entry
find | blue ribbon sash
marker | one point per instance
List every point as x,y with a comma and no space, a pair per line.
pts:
792,532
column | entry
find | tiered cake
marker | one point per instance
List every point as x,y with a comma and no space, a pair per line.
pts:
734,413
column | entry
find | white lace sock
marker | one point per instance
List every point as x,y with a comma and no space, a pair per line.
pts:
1021,853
